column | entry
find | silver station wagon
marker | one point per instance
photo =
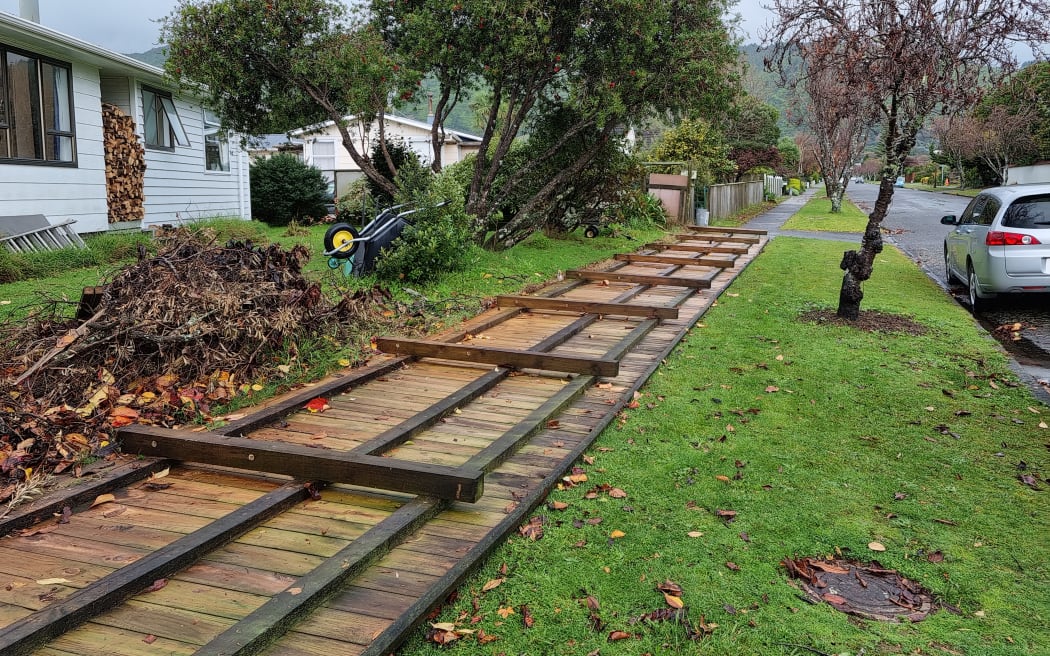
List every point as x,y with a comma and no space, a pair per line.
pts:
1001,243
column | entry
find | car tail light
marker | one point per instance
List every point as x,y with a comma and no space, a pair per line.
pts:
999,238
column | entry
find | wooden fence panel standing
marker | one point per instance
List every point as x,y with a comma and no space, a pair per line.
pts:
725,199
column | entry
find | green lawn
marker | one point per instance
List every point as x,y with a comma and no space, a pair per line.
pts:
816,215
822,439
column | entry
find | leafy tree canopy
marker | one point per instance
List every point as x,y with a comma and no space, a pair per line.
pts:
272,66
1027,91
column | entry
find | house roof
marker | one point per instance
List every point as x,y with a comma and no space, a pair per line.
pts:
21,33
455,135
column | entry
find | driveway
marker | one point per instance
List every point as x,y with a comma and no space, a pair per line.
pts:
914,226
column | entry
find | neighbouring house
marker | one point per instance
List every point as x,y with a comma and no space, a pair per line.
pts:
268,145
1038,172
96,136
323,145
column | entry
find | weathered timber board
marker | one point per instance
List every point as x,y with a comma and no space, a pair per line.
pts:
495,356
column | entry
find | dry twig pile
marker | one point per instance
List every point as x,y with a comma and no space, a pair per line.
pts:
169,336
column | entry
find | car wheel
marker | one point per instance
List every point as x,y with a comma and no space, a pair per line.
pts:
978,301
950,277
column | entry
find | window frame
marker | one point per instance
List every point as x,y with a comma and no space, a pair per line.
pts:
164,106
41,133
211,128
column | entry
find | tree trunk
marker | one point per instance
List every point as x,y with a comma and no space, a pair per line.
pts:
857,265
836,200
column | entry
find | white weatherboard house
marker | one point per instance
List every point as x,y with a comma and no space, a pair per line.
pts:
53,141
323,146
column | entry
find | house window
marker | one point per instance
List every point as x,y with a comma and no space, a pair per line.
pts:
36,110
161,125
324,155
216,145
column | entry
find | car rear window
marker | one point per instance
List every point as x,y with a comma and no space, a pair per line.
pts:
1030,212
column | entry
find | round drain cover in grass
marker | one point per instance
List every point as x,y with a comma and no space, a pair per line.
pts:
865,590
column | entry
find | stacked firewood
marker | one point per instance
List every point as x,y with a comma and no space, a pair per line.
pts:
125,165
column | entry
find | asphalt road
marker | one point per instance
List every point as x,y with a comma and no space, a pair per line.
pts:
914,226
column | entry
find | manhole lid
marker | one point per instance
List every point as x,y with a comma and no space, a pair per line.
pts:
865,590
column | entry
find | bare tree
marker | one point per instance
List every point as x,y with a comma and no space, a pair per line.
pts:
909,57
952,133
839,127
1000,138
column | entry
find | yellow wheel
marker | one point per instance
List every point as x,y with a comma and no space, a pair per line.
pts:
339,240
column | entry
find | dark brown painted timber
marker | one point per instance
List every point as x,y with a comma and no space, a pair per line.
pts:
303,462
498,356
25,635
570,305
718,262
641,279
731,230
696,248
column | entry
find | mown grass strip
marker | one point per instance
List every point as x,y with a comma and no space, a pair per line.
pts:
816,215
822,439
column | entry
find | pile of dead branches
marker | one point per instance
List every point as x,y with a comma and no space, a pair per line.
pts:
163,340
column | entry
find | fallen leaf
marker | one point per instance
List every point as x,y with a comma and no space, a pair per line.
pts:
876,546
673,601
157,585
670,587
617,493
558,505
772,388
103,498
617,534
722,477
733,566
295,591
834,599
160,474
695,534
317,405
491,584
150,639
935,557
505,611
526,617
618,635
52,581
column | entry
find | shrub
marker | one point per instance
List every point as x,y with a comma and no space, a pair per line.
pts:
402,157
438,240
9,271
284,188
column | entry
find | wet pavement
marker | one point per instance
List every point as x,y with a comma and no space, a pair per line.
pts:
913,225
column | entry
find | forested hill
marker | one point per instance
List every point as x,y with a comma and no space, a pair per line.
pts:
154,57
765,85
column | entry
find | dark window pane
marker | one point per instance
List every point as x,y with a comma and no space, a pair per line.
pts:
57,113
1031,212
24,114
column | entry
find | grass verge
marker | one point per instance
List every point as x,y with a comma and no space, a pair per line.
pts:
822,439
816,215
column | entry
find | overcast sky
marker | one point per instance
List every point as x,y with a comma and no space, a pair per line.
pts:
129,25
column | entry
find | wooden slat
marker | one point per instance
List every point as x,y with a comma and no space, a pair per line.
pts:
724,235
261,627
696,248
24,636
571,305
640,279
718,262
733,230
498,356
296,401
305,462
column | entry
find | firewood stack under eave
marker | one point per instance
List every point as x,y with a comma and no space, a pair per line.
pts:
125,165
